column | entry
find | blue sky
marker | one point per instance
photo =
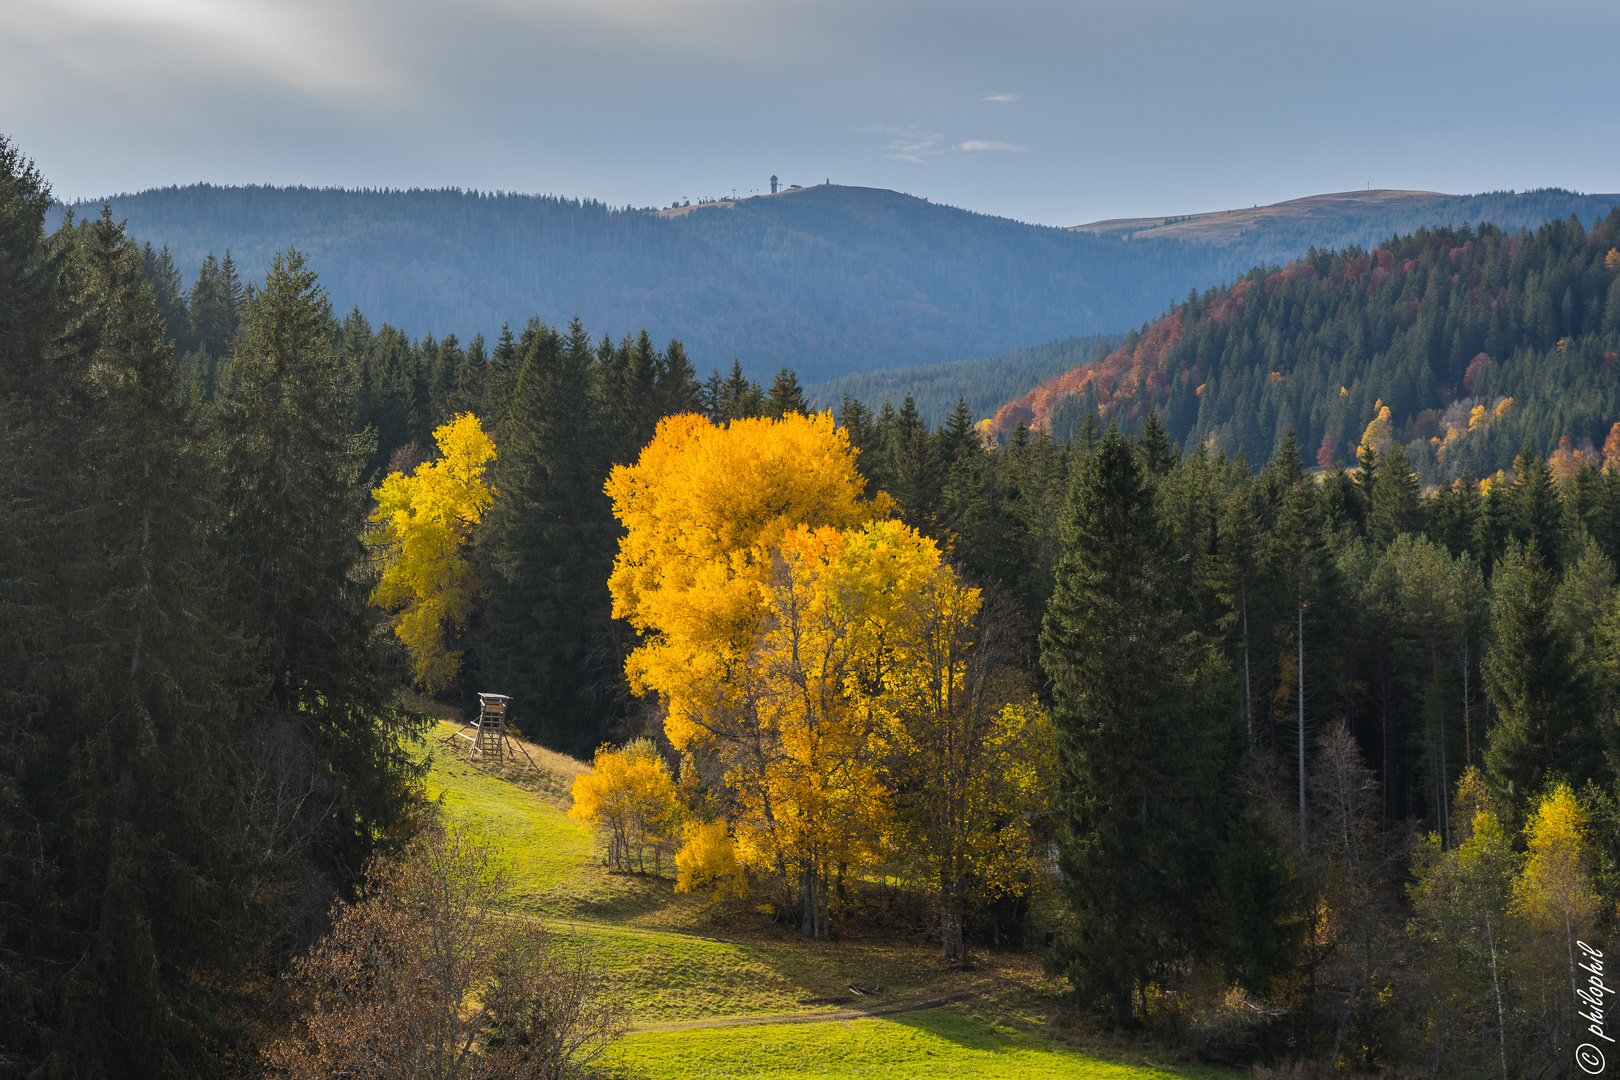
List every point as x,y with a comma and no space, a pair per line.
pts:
1056,113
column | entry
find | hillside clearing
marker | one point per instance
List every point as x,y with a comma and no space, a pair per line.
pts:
751,998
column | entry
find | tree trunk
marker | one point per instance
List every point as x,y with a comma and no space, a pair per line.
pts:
1496,984
1300,642
1248,693
950,918
807,898
1468,733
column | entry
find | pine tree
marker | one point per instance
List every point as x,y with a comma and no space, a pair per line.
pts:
295,510
121,914
1541,695
1396,507
786,396
550,641
1145,730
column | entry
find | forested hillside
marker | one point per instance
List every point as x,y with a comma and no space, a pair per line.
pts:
1474,341
828,280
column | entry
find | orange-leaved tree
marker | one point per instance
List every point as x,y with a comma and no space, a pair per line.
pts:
422,527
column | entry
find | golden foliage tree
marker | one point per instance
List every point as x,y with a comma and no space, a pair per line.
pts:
708,860
971,757
795,636
423,526
809,777
704,508
1461,900
1557,906
629,795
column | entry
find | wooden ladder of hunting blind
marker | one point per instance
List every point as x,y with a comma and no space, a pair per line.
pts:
488,733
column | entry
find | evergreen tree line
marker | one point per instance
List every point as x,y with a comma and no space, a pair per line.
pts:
1265,683
199,746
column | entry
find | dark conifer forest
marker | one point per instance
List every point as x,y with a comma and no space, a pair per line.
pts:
1265,668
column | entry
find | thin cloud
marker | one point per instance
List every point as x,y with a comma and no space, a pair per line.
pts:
908,144
1000,99
974,145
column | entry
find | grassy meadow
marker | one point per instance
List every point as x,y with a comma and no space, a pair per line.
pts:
742,997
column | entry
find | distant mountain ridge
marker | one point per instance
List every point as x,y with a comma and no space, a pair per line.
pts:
830,280
1286,230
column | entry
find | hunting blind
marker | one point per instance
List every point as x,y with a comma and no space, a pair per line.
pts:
487,734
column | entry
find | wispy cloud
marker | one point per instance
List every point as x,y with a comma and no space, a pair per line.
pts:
1000,99
908,144
989,144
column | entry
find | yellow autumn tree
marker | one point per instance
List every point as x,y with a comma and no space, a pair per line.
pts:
810,782
708,860
1555,903
972,757
704,508
422,527
1379,434
630,796
788,638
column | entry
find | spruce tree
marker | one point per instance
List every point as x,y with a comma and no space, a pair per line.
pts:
129,897
1145,729
169,294
1537,517
1493,527
1396,507
295,513
547,549
1153,447
786,395
1545,725
678,388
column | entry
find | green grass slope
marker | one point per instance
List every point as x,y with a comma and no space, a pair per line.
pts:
745,997
931,1043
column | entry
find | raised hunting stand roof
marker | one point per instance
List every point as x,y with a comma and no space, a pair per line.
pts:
487,734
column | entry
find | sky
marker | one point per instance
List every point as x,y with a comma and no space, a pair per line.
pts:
1050,112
